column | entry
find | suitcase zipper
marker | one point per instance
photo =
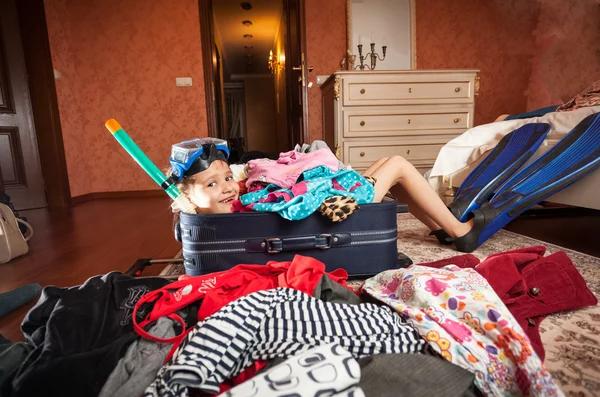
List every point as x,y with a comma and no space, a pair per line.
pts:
223,251
369,242
219,242
374,232
370,233
232,250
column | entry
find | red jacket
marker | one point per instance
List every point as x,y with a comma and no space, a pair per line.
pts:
530,285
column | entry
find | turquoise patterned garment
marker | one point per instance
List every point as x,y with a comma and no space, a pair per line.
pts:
306,196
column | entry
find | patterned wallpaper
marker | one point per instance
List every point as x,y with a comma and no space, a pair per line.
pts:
491,35
325,47
61,44
120,59
531,54
567,56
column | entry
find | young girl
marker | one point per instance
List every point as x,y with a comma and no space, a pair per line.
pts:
203,175
212,189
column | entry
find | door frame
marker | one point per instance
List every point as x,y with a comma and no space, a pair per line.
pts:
44,102
207,38
291,78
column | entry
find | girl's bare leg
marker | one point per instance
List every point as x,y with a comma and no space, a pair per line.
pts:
400,194
425,201
369,171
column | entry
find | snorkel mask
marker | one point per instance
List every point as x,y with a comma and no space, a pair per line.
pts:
196,155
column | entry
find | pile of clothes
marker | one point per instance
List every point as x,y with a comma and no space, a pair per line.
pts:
453,327
304,180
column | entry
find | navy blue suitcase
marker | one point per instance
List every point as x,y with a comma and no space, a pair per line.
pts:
364,244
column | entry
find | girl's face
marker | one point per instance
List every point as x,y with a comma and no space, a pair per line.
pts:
214,190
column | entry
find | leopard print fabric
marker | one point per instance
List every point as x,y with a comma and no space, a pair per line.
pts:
338,208
371,180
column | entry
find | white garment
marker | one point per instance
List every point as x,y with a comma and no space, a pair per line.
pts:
474,143
327,370
240,172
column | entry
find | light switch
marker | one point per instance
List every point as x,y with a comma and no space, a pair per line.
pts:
183,81
57,74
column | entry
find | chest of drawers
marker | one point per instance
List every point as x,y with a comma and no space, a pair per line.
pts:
372,114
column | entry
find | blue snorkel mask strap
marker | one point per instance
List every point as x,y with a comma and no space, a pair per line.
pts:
191,157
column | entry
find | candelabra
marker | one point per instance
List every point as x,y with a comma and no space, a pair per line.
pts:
373,55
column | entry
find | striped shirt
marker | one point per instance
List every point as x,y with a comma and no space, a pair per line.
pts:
280,322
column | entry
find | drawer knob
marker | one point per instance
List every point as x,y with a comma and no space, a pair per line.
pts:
457,89
410,90
362,154
362,123
408,151
408,121
362,90
456,120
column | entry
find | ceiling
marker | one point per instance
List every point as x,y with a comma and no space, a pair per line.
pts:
265,16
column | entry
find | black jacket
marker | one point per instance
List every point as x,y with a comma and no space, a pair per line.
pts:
79,334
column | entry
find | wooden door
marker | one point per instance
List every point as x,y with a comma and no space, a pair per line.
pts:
219,97
297,77
3,197
19,158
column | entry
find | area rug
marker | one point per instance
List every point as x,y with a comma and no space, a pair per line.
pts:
571,339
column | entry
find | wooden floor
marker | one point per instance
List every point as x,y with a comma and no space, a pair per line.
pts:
91,238
111,234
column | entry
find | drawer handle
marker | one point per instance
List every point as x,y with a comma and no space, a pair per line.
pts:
362,123
456,120
457,89
408,121
362,91
410,90
408,151
362,154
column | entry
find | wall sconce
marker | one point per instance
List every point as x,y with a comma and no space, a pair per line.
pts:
275,64
272,62
281,61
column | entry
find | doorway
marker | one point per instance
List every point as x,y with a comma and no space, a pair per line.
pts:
20,168
33,170
255,73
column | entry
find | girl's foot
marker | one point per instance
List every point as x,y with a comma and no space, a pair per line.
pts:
462,228
469,241
443,237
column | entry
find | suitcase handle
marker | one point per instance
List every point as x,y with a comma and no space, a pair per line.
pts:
275,245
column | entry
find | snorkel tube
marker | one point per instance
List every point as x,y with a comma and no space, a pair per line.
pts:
179,199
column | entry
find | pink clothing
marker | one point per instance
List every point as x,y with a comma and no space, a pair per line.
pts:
285,171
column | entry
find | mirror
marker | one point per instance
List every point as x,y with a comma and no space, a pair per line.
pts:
390,25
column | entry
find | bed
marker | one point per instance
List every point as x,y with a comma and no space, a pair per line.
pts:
461,155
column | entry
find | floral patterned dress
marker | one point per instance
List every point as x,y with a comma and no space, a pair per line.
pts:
458,313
